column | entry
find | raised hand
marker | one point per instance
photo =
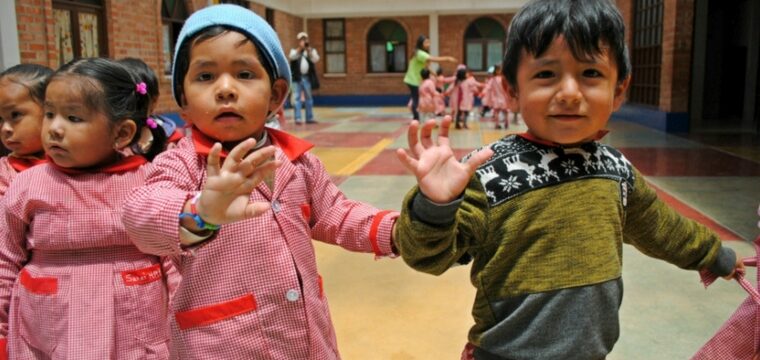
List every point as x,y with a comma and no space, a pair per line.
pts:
441,177
225,197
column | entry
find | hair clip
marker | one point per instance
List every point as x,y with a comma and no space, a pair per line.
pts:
151,123
141,88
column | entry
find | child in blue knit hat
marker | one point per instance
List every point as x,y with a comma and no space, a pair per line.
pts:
237,203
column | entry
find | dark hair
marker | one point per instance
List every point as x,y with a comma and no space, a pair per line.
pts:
183,54
425,73
461,76
110,87
31,76
142,71
439,71
586,25
421,42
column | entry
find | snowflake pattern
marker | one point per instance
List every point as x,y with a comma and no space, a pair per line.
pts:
519,166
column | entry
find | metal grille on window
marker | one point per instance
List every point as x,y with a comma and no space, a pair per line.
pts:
646,56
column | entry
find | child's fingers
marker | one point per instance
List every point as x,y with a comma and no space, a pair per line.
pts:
256,209
426,135
409,162
251,162
212,161
443,131
411,139
238,152
478,159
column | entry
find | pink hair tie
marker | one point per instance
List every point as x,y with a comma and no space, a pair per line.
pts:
141,88
151,123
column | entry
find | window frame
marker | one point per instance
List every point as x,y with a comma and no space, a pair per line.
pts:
75,8
483,42
329,38
402,45
175,23
646,52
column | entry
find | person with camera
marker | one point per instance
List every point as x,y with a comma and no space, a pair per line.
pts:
305,78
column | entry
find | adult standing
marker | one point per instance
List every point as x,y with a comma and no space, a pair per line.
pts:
419,61
305,78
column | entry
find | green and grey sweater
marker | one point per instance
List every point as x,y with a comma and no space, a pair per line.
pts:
544,227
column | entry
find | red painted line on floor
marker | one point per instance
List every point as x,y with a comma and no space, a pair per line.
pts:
691,213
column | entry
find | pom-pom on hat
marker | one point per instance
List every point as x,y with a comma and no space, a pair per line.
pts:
244,21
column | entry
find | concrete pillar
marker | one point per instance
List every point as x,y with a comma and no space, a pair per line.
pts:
9,51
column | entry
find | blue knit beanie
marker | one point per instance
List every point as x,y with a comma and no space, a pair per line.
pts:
239,19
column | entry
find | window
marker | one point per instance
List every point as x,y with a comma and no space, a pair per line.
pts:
386,47
484,44
79,29
335,46
646,56
173,15
243,3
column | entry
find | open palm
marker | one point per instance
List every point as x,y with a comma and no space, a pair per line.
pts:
441,177
226,196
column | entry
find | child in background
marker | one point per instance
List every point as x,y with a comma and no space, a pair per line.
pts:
428,96
64,254
462,96
494,91
250,287
544,215
172,135
485,95
441,82
22,91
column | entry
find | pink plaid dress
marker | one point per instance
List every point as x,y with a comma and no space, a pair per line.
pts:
253,291
10,166
72,284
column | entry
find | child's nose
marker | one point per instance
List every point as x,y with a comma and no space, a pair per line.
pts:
225,90
55,129
6,128
569,92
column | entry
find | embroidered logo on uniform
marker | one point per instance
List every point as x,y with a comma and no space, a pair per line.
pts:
519,166
142,276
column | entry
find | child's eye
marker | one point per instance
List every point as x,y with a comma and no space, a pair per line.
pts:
74,119
16,115
544,75
592,73
204,77
246,75
49,115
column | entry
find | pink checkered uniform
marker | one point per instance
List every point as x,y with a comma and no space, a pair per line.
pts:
10,166
253,291
72,284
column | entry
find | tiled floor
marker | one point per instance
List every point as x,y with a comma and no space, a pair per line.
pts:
384,310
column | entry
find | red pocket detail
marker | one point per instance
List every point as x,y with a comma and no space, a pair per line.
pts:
306,211
40,285
142,276
214,313
321,286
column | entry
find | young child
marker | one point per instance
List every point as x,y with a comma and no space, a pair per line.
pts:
497,99
485,95
462,96
250,287
428,96
544,214
64,254
22,91
171,135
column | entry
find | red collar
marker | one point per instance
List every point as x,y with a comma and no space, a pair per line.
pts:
21,164
126,164
531,138
292,146
175,137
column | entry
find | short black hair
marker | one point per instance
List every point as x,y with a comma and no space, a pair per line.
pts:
586,25
425,73
183,55
31,76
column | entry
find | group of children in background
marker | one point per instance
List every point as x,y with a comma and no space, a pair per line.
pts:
121,237
460,92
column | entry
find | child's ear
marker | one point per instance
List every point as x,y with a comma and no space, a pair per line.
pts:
279,92
124,133
620,89
513,102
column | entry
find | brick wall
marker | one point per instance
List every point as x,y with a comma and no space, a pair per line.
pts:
35,32
451,37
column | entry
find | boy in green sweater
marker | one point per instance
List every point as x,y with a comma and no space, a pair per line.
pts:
543,215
